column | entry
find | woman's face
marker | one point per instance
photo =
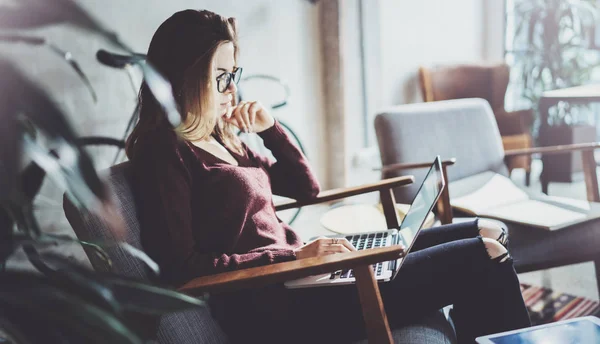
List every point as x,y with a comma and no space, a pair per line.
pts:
224,62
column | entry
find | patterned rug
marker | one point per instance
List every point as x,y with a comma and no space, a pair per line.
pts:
547,306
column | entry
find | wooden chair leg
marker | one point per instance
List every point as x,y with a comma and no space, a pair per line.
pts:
378,329
544,182
591,178
388,202
444,207
597,266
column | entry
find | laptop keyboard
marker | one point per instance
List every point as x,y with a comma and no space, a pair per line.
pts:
361,242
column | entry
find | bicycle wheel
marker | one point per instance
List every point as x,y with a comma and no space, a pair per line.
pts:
272,91
255,143
103,150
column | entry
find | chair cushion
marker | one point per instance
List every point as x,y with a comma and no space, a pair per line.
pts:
191,326
464,129
89,227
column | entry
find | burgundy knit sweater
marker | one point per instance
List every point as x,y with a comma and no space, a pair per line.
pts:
200,215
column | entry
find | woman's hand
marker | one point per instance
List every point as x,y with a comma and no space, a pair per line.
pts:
323,247
251,117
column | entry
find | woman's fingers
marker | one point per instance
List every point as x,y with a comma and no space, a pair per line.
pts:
235,115
243,116
323,246
336,248
240,125
342,241
252,110
246,117
253,116
347,244
238,115
235,119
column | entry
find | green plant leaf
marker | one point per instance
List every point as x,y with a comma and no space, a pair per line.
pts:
121,293
532,25
47,304
76,280
148,299
554,57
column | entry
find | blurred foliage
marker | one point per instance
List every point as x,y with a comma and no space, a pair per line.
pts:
552,50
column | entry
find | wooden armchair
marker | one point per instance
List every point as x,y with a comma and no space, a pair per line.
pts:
587,154
465,130
591,184
488,82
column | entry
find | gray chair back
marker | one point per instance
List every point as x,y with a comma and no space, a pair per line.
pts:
192,326
464,129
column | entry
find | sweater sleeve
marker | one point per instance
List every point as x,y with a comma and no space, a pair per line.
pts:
163,193
291,175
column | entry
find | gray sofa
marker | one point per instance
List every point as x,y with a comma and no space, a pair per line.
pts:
198,326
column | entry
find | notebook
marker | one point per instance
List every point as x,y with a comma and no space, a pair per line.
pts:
499,198
424,201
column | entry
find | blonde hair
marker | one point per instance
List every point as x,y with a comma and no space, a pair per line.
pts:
183,50
196,100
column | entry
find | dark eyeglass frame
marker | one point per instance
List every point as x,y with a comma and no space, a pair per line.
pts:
224,79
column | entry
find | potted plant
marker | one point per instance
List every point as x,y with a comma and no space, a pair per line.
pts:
63,302
548,48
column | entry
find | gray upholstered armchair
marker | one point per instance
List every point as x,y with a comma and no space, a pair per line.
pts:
464,131
198,326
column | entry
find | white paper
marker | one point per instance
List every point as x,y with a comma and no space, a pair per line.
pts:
536,213
498,191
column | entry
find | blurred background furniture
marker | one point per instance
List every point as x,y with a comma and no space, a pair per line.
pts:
560,168
198,325
418,132
488,82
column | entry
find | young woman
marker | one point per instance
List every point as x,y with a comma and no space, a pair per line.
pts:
205,205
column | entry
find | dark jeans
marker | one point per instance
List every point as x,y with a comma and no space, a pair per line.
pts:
448,265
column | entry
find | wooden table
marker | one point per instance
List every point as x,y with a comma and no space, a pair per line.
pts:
577,95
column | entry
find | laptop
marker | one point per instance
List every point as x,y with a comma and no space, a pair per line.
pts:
424,201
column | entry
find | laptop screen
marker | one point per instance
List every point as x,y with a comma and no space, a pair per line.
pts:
423,203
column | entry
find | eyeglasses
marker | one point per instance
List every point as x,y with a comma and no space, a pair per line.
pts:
224,80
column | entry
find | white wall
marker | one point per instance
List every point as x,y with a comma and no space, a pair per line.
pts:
427,32
399,36
402,35
493,30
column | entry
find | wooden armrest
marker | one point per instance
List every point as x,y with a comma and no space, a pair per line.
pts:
281,272
554,149
588,160
444,208
334,194
395,167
